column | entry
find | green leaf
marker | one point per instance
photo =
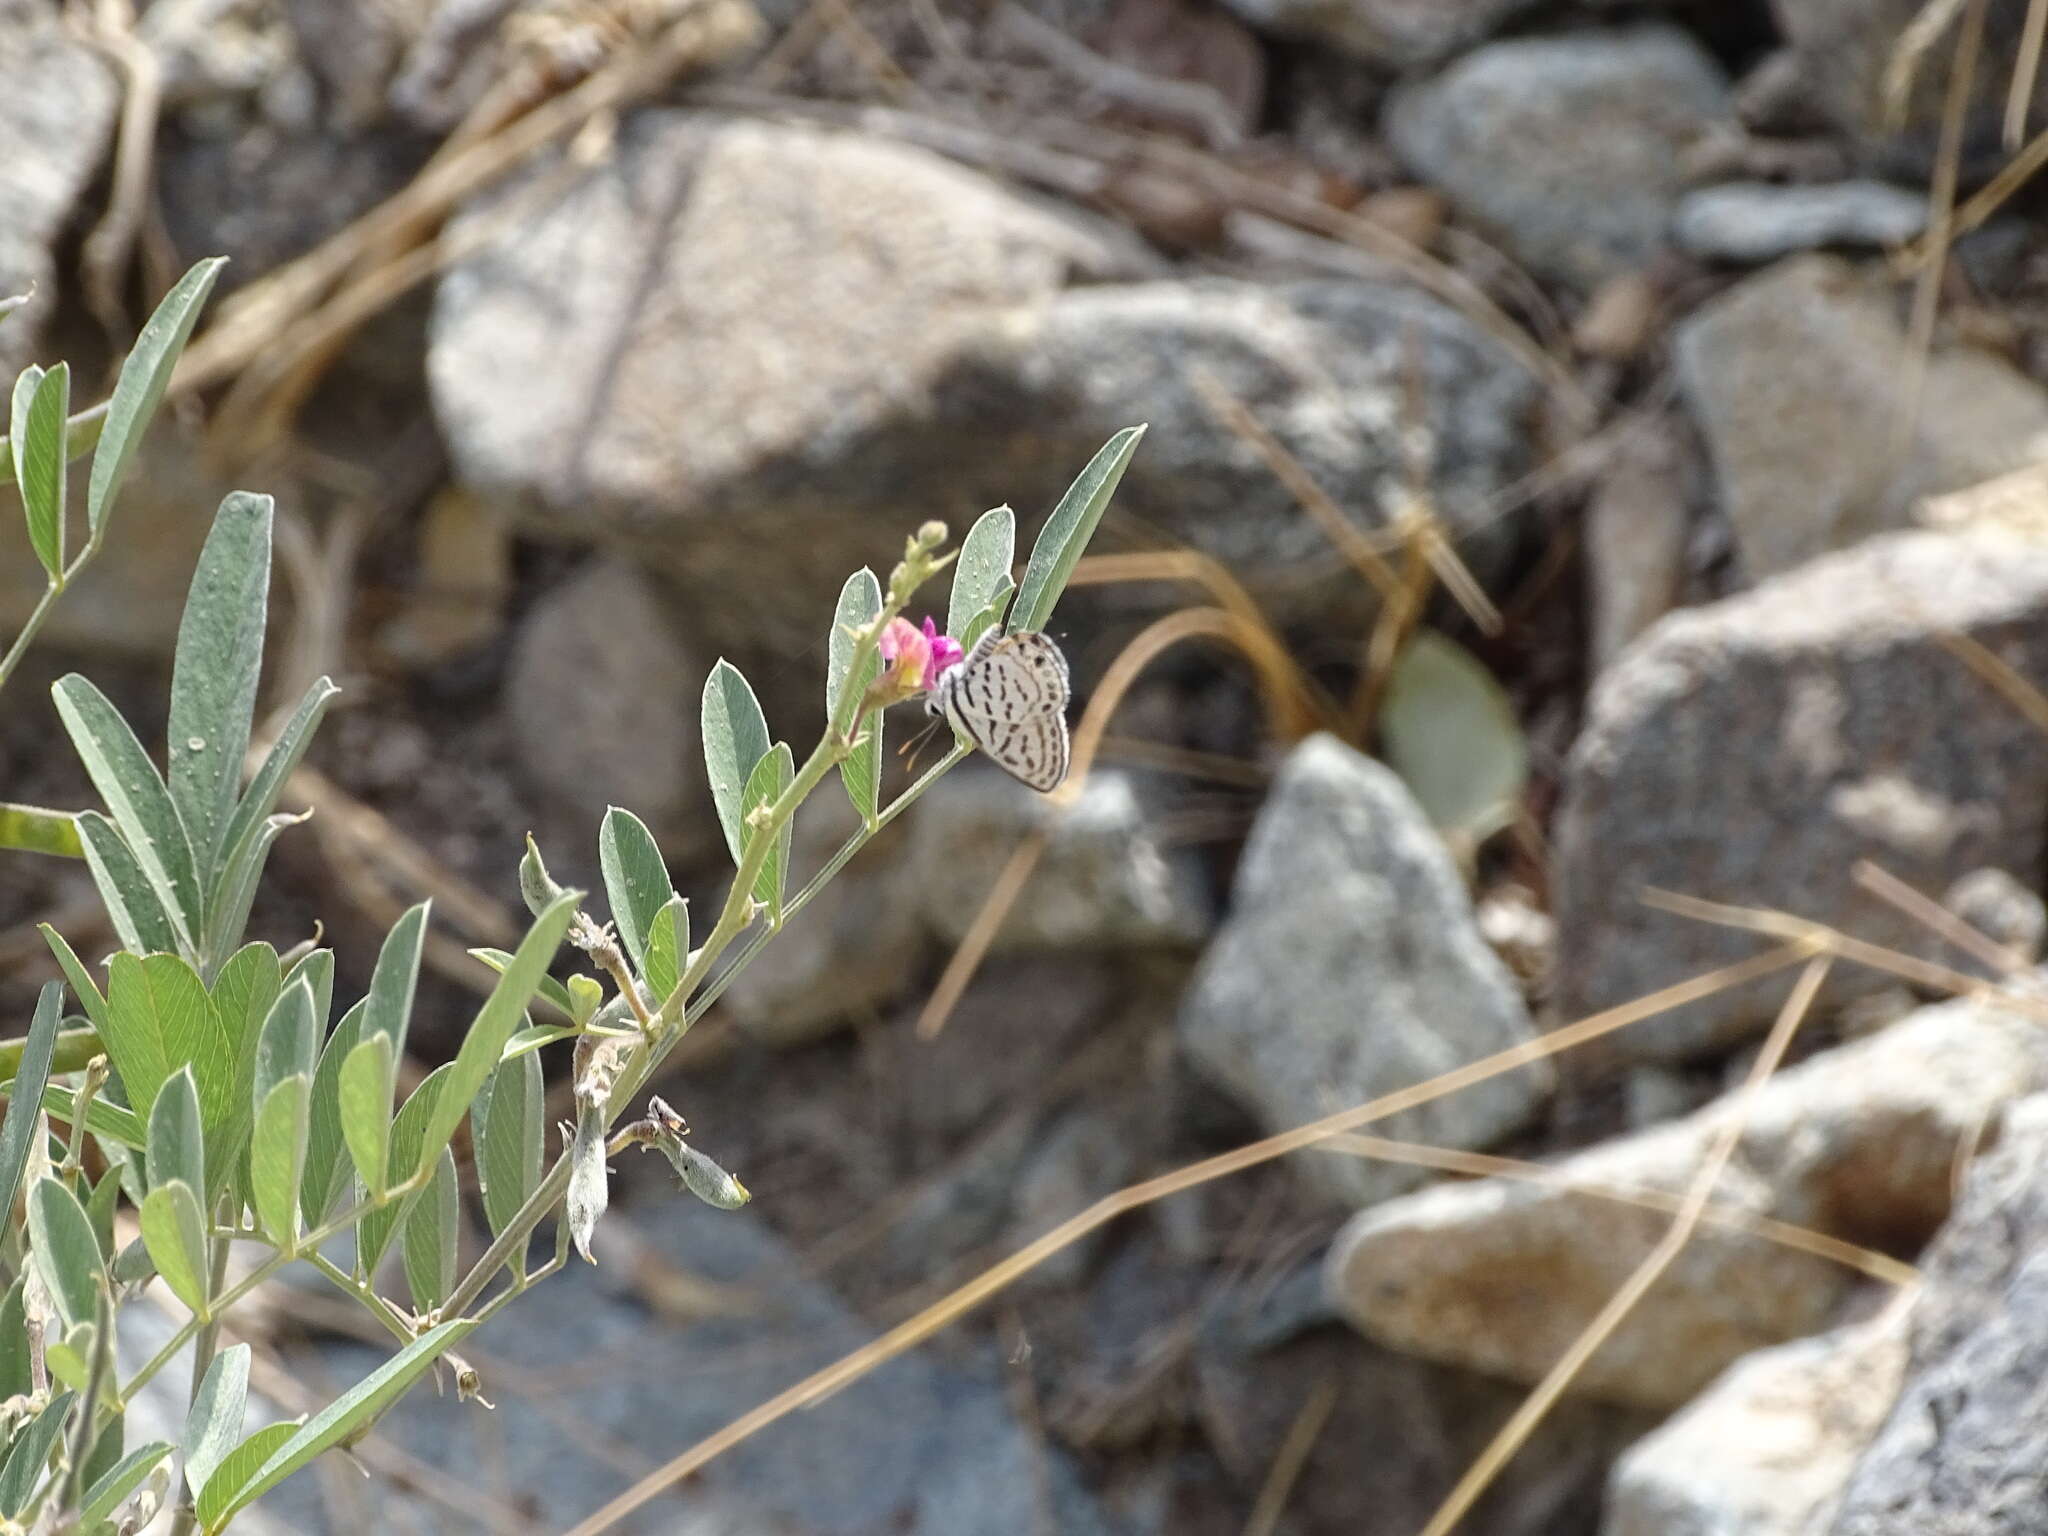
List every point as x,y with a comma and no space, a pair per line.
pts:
175,1234
991,616
70,1357
244,844
771,777
139,918
494,1023
213,1425
986,555
860,601
530,1039
226,922
41,402
213,680
408,1154
550,991
25,1098
396,978
635,878
289,1043
366,1108
67,1254
136,798
107,1491
177,1135
239,1465
1449,730
668,949
109,1122
510,1132
277,1158
87,990
327,1170
23,1470
15,1377
354,1410
244,994
316,970
735,739
1065,536
81,435
432,1232
144,377
106,1449
32,829
99,1209
159,1018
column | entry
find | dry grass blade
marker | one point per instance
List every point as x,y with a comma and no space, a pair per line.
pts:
1523,1422
1928,912
1291,1458
2025,70
1868,1261
991,1282
2000,674
1915,39
981,933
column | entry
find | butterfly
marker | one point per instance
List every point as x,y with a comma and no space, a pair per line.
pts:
1008,696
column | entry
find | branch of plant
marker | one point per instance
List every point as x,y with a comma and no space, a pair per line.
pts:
45,604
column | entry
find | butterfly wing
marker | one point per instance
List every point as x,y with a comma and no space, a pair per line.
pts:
1011,701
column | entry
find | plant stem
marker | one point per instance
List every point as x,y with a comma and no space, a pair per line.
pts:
186,1519
362,1291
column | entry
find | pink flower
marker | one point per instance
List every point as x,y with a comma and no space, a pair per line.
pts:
916,657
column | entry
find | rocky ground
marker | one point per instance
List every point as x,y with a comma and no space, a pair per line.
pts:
1619,304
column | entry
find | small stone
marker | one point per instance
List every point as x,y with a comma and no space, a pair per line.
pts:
1793,376
1756,222
1388,32
2006,911
1350,966
1500,1275
1637,525
1568,148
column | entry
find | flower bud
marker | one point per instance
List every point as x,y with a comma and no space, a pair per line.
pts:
536,889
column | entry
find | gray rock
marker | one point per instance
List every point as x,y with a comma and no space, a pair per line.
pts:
1752,750
813,341
1104,881
1963,1446
1637,523
1350,966
1756,221
1765,1450
1397,32
916,1447
57,106
1793,376
1859,1143
2002,908
1568,148
602,700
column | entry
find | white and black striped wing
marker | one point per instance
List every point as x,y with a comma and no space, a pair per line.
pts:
1009,697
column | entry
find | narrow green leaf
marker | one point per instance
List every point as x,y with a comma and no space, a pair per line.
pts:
288,1043
67,1254
177,1135
23,1470
244,993
70,1357
431,1236
107,1121
1064,539
41,403
159,1018
860,601
175,1235
32,829
525,1042
986,555
1449,730
25,1097
15,1372
550,991
237,1468
139,918
213,1425
396,978
82,984
735,739
316,970
355,1409
635,878
144,377
771,777
366,1108
243,844
991,616
277,1158
81,436
100,1206
407,1156
227,921
327,1169
106,1492
510,1134
495,1021
136,798
105,1454
668,948
213,680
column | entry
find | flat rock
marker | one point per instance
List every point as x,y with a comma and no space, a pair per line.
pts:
765,340
57,106
1569,148
1757,221
1859,1143
1793,377
1349,966
1765,1450
1752,750
1962,1446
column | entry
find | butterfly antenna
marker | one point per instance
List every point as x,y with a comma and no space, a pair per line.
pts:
914,747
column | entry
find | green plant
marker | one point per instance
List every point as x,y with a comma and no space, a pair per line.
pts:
203,1088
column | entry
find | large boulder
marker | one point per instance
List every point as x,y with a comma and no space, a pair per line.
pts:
1349,966
1753,750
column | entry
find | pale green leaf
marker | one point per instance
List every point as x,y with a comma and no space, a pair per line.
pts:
82,984
771,778
25,1097
408,1155
244,844
159,1018
277,1158
106,1491
175,1234
15,1369
288,1043
1449,730
236,1468
735,739
860,603
33,829
41,403
396,978
432,1233
67,1254
213,1424
1064,539
327,1169
316,970
635,879
139,919
366,1079
668,949
23,1469
177,1137
550,991
510,1138
986,555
